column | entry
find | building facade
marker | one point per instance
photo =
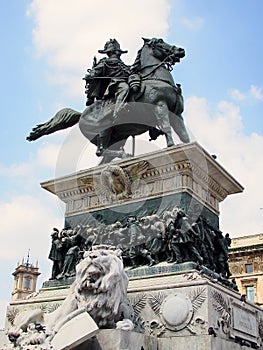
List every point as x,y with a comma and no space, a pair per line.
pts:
246,266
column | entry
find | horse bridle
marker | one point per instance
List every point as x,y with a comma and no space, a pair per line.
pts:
157,65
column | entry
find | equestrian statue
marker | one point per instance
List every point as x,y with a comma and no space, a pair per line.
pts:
124,101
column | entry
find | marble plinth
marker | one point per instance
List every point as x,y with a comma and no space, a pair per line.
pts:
120,340
114,339
178,304
185,175
174,306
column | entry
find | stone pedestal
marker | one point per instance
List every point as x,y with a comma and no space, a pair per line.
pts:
114,339
181,308
118,340
184,175
175,306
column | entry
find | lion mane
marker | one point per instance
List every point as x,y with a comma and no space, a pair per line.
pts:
100,288
101,285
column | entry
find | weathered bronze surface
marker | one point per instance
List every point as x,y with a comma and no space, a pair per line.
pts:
125,101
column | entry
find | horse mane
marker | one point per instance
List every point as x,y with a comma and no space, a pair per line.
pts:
136,66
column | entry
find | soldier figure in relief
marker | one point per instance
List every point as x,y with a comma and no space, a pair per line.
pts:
56,254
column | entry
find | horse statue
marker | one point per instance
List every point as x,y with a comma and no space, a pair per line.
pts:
154,104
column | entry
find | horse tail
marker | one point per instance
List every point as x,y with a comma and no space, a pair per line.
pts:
63,119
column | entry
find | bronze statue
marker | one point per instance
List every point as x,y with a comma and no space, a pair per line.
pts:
127,101
56,254
108,77
137,246
171,236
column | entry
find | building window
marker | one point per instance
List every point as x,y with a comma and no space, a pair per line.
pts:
27,283
250,293
249,268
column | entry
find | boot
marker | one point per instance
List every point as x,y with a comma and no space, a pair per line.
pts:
169,139
89,101
133,262
152,262
100,148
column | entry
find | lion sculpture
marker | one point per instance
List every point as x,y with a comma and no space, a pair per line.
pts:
100,288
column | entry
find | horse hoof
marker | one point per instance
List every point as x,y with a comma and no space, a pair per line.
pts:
99,152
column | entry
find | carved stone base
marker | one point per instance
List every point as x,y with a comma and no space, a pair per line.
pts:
114,339
175,307
184,175
121,340
179,305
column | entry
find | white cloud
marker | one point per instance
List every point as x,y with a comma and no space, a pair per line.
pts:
26,175
192,23
15,170
60,153
240,154
47,154
28,213
25,223
68,33
254,93
237,95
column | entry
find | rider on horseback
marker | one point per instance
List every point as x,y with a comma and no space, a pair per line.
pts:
108,77
155,101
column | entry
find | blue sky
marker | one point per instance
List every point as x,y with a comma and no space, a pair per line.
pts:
47,45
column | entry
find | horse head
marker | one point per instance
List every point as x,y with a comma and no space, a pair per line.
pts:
164,51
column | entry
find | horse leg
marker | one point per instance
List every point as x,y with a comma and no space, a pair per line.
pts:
178,125
161,112
176,118
103,140
115,150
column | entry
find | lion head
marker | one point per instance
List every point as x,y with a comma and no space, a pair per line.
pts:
101,284
100,288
